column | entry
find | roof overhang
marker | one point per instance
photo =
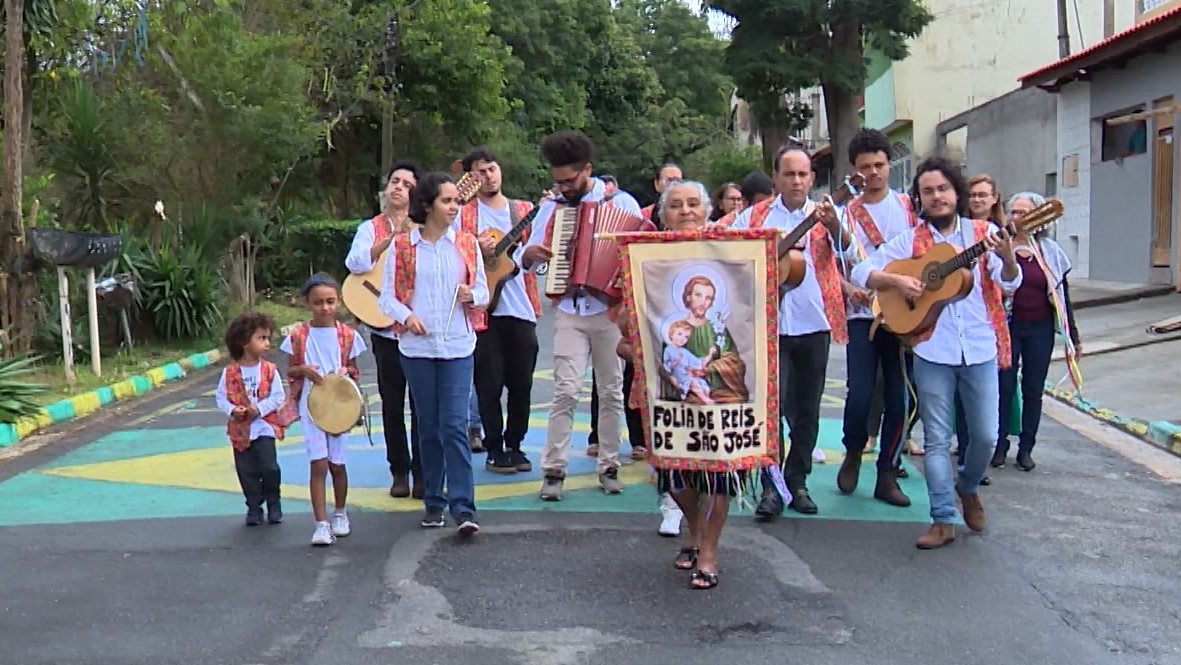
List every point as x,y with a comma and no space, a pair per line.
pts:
1153,35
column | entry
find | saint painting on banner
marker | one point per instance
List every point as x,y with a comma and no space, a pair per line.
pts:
704,304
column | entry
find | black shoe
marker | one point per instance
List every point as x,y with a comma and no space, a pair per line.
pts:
770,506
986,481
802,503
274,512
998,458
519,461
1025,460
433,518
499,462
902,473
467,524
254,517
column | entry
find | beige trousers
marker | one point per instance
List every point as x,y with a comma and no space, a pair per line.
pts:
577,341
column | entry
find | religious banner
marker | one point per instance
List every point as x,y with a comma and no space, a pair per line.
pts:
702,317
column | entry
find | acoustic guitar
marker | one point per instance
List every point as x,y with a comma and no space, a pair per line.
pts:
361,291
499,266
946,273
792,264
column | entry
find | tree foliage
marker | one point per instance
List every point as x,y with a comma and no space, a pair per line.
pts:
779,46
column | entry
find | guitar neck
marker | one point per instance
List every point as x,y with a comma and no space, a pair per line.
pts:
514,235
965,258
793,238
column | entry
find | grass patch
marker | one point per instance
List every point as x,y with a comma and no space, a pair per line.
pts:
144,356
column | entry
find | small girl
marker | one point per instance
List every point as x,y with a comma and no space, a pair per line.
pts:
250,393
319,347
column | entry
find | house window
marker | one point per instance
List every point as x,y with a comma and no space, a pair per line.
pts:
1051,184
1149,5
901,169
1124,139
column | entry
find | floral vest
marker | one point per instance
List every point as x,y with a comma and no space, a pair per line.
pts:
728,218
469,223
993,302
646,211
824,262
860,214
237,429
289,412
404,273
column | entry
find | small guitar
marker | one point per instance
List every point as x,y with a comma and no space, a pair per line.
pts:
947,276
792,264
360,291
499,267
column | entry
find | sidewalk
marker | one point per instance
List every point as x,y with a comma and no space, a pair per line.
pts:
1129,379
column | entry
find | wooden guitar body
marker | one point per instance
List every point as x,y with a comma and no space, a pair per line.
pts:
792,268
360,292
498,268
905,317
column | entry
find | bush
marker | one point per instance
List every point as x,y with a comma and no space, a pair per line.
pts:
17,396
306,247
181,291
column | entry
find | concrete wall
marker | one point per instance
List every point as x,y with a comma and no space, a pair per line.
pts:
1012,138
1121,194
1074,139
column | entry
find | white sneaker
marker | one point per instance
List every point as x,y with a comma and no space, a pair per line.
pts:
322,536
818,456
670,524
340,525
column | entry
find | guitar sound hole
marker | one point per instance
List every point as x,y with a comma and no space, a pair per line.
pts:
371,288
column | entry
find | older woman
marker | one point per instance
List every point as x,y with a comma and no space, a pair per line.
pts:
1033,324
703,497
728,199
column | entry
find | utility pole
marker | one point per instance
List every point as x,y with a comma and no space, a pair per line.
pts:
390,59
1108,18
1063,31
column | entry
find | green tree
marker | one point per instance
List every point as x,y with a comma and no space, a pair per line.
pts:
779,46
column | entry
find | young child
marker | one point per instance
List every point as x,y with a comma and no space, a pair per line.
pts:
249,393
685,367
319,347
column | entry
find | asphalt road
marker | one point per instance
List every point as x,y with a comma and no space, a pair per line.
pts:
121,541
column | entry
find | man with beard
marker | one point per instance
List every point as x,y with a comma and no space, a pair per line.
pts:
811,316
962,351
725,373
506,352
372,239
584,332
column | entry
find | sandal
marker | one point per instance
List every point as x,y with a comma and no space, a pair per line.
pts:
710,580
686,559
913,449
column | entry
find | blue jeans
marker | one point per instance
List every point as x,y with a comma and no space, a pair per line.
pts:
473,412
1033,345
937,386
441,393
862,360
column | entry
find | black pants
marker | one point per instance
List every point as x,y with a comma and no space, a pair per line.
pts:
803,363
863,359
506,356
391,385
1033,346
258,472
635,421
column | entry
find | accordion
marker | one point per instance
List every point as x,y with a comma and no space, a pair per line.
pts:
586,257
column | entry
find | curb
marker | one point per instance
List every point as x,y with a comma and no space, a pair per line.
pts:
87,403
1124,296
1160,433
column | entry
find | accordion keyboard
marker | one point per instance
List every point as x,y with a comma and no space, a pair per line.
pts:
565,222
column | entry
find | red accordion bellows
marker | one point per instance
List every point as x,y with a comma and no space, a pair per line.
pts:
583,257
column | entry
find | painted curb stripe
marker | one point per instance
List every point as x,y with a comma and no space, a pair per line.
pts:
1160,433
86,403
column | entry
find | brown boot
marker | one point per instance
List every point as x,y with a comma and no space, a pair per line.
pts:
973,510
400,489
849,472
887,489
935,537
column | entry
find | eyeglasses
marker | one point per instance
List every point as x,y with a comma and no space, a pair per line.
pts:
980,195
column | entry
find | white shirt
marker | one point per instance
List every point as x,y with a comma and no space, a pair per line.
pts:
963,334
438,271
251,376
321,352
582,305
801,310
891,219
359,261
514,296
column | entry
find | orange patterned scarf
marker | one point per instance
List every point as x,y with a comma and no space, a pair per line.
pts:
407,263
238,429
860,214
824,261
993,303
469,222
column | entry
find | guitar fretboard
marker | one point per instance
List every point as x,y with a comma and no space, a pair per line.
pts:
966,258
514,235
